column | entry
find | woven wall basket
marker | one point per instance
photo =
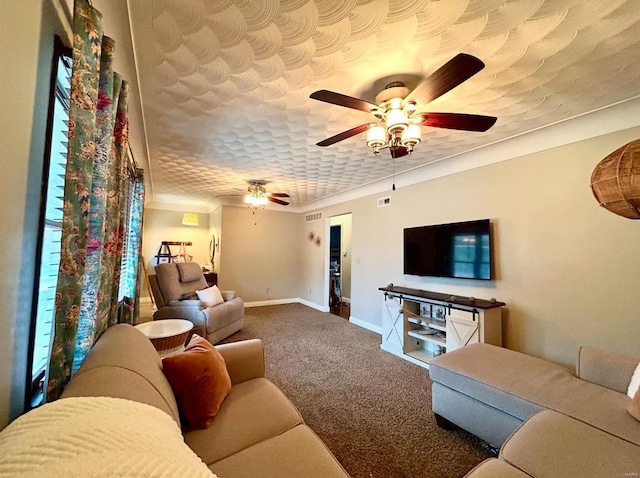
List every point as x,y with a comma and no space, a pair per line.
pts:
615,181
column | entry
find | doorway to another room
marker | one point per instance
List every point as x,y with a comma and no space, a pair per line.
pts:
340,265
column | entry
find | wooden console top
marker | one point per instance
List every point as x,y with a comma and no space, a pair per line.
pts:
452,299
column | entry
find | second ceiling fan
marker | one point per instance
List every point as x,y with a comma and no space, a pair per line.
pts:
257,195
400,112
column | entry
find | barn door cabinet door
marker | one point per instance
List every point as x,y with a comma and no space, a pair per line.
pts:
392,324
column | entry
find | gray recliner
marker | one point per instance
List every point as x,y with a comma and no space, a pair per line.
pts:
174,287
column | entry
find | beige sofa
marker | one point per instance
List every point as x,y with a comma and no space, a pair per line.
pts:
257,432
174,287
547,421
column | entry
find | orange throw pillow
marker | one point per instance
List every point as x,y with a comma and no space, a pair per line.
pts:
200,381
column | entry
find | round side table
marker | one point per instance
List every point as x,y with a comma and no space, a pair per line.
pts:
168,336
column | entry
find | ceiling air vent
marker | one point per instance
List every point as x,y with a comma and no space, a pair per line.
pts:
384,201
316,216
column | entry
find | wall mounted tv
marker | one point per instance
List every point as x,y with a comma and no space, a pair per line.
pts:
461,250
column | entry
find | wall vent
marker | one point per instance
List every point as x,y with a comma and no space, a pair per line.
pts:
316,216
384,201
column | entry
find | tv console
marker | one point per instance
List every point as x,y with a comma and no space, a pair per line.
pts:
418,325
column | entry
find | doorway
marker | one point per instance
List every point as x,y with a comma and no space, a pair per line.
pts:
340,265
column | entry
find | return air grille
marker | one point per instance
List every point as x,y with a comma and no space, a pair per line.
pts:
316,216
382,202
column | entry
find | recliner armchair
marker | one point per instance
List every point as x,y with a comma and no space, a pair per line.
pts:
174,287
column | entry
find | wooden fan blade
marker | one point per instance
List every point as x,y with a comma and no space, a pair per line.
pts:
457,70
459,121
279,195
343,100
344,135
398,151
277,201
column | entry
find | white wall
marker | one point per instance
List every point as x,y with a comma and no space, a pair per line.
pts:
567,269
260,253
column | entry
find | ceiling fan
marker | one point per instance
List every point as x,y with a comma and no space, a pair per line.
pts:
257,195
400,112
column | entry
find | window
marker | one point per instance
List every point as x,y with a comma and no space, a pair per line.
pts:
50,225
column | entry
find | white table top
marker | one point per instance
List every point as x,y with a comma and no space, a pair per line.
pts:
158,329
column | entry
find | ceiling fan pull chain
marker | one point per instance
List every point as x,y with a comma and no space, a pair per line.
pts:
393,166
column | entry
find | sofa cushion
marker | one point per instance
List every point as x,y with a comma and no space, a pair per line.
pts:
211,296
551,444
497,376
516,383
608,369
296,453
200,381
189,271
253,411
494,468
124,364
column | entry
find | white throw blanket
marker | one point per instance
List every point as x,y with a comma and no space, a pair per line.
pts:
97,437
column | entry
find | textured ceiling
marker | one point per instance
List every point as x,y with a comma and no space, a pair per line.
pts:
225,84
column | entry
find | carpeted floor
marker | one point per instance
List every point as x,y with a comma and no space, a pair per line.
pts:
371,408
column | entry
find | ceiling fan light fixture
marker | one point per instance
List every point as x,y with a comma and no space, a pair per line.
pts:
376,137
411,137
256,199
399,108
396,121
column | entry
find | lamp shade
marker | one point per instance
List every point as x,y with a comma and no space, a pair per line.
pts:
190,219
376,136
256,200
615,181
411,136
396,121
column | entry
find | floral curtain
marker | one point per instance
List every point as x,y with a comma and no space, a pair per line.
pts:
91,244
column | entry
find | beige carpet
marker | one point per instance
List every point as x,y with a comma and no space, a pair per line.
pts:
371,408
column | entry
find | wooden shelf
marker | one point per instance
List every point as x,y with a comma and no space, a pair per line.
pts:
429,322
421,355
427,338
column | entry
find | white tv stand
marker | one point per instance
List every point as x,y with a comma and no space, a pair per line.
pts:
418,325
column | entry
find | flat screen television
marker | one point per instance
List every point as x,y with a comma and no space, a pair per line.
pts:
460,250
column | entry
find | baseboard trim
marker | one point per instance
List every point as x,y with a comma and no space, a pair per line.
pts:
313,305
261,303
366,325
297,300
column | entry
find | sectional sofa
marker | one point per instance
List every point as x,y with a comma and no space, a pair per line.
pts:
547,421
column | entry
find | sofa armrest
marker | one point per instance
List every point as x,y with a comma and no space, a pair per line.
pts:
244,359
228,294
607,369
